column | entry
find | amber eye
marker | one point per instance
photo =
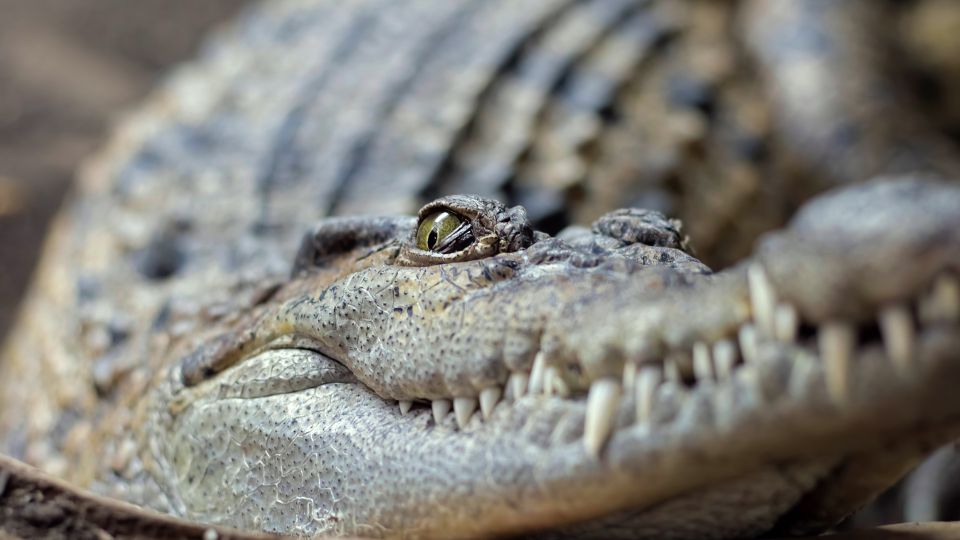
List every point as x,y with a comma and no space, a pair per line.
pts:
435,228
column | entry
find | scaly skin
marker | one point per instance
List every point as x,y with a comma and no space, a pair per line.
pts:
305,386
184,369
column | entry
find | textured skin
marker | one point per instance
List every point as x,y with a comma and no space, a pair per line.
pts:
33,505
183,368
586,304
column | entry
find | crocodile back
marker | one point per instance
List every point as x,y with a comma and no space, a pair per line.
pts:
297,111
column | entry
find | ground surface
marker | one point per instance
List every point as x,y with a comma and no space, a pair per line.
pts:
67,70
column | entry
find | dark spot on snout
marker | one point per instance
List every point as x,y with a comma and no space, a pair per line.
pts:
165,254
692,93
88,288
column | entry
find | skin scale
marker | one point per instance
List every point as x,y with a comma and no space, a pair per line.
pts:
339,332
184,230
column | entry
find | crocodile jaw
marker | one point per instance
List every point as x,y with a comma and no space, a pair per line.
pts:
335,456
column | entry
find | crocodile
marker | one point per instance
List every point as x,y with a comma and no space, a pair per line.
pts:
490,368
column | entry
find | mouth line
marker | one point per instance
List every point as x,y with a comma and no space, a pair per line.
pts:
829,351
776,353
777,389
774,350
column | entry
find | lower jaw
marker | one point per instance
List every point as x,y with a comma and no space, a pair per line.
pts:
773,424
785,498
774,417
780,408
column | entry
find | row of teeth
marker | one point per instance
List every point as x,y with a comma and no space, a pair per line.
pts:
717,361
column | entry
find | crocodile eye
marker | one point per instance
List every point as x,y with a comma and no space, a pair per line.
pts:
435,228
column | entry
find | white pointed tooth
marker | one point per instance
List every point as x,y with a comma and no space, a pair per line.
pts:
948,296
724,403
802,372
602,404
837,340
517,385
702,365
724,358
747,336
896,325
463,408
555,384
943,302
673,366
488,400
441,408
762,299
550,375
672,371
537,374
405,405
750,375
648,380
629,377
786,321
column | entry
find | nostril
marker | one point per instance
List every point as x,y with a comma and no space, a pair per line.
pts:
162,258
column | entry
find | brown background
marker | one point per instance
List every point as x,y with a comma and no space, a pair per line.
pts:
68,69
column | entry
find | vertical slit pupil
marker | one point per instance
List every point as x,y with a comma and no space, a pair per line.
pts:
432,239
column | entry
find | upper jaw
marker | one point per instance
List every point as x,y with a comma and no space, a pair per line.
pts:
864,279
638,383
525,467
879,262
852,253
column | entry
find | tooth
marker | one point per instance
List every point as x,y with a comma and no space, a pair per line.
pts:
405,405
786,321
517,384
948,296
537,374
550,375
672,371
943,303
488,400
837,340
762,298
702,367
463,408
648,380
441,408
629,377
602,404
724,358
802,372
748,343
555,384
897,328
750,375
724,403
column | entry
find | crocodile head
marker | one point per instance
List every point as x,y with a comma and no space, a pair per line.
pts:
458,374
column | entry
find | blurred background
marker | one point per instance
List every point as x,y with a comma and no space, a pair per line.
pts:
68,70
